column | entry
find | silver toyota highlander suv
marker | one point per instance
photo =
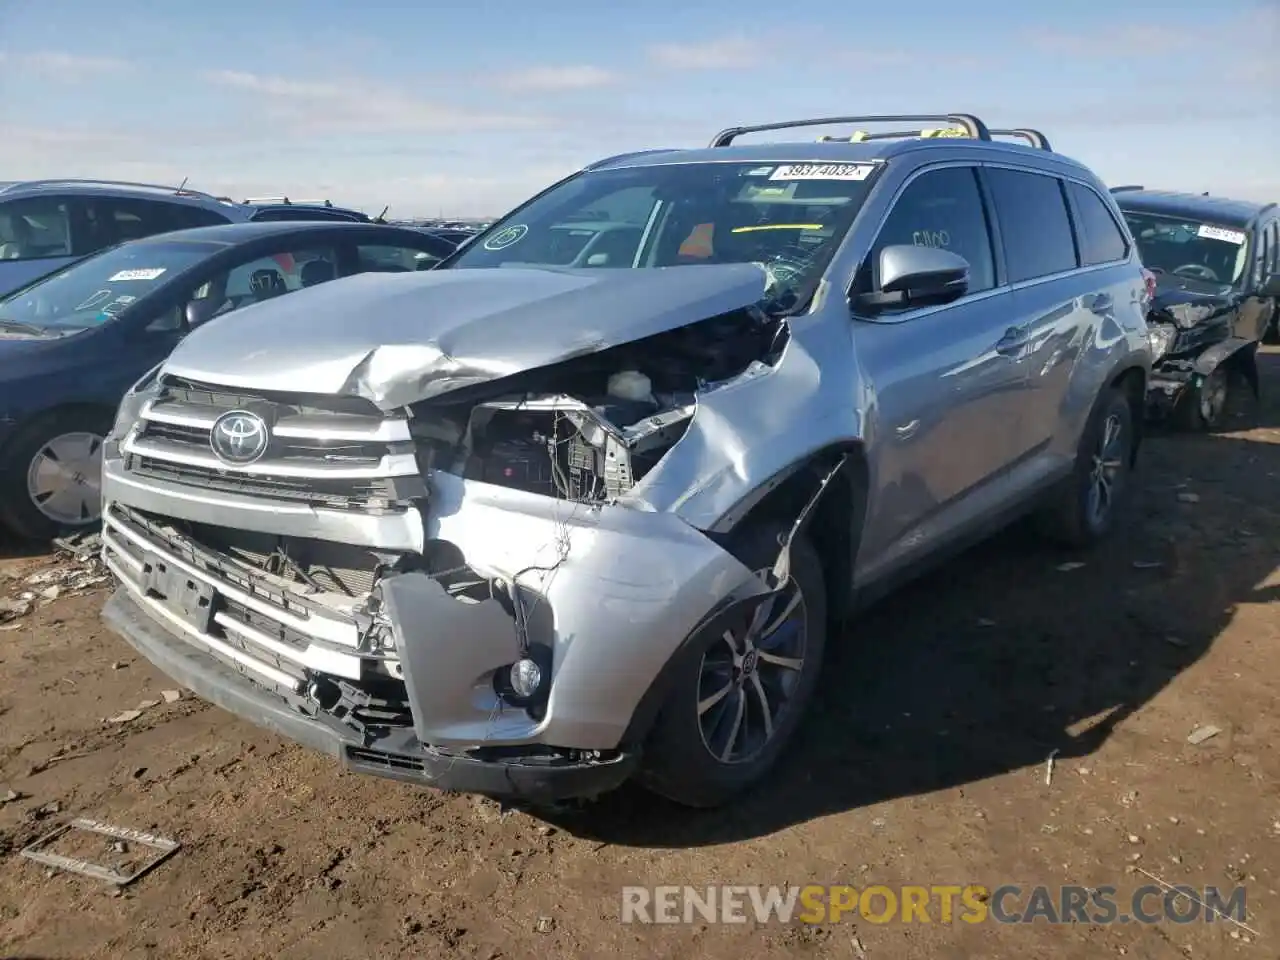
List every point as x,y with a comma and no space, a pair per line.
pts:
583,502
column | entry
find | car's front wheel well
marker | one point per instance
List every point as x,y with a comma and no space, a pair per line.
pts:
1133,382
836,520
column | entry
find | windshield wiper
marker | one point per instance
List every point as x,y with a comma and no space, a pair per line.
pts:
17,326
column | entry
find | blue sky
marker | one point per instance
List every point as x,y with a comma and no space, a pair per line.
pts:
465,108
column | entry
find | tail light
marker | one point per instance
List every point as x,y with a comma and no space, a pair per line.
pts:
1149,279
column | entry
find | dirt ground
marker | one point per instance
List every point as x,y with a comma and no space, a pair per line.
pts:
924,762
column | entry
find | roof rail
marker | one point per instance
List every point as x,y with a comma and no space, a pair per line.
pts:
253,201
1033,137
180,191
1128,186
974,127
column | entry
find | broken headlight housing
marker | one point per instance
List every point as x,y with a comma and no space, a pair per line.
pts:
1161,337
130,409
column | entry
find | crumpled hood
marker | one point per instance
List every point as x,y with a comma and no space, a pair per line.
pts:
397,338
1187,308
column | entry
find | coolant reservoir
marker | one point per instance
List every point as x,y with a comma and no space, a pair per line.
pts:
631,385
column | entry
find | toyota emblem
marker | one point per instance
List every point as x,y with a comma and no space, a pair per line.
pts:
239,437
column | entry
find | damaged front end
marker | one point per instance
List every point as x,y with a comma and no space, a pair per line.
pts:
474,588
1192,335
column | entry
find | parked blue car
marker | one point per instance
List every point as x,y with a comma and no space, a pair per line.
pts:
72,343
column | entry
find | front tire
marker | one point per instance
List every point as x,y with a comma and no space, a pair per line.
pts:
51,478
1207,406
1085,508
738,695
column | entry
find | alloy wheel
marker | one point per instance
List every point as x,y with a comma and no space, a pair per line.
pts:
749,676
1106,469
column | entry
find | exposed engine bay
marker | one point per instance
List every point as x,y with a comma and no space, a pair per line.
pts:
589,428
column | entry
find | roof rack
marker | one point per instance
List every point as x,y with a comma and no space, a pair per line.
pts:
1128,186
972,126
254,201
180,191
1033,137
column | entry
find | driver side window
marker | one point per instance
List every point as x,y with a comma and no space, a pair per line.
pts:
940,208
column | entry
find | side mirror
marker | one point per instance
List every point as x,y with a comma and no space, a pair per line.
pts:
197,312
911,276
1271,286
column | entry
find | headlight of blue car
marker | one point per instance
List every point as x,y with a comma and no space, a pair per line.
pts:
1160,337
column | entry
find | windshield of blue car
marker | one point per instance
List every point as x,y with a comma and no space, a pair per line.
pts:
1204,253
790,217
93,291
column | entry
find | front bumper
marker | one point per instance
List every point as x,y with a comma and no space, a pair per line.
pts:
616,593
215,681
1170,379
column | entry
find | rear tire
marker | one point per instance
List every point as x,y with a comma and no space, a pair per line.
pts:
729,714
51,474
1084,510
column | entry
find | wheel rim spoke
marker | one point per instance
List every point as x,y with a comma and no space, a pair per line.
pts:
766,711
731,740
785,663
793,601
708,702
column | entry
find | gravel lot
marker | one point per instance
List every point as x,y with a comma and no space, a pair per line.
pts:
924,763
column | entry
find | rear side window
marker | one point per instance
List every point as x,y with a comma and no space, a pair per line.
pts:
35,229
184,216
1034,224
1101,240
943,208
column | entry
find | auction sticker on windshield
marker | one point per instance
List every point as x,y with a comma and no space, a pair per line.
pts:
506,237
1221,233
150,274
823,171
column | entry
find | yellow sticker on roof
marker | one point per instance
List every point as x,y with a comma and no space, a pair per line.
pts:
823,171
957,132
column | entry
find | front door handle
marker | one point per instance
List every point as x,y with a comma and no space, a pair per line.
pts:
1013,341
907,430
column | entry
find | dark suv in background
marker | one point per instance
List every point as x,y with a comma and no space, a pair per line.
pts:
1217,268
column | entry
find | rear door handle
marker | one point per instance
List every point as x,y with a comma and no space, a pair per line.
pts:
1102,303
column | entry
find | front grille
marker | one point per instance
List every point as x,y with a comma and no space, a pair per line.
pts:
339,453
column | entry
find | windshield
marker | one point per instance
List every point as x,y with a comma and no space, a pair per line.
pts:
1189,249
790,217
93,291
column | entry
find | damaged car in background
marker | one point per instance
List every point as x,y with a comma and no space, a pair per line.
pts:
1217,285
526,529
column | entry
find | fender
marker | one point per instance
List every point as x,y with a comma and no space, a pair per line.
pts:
1219,353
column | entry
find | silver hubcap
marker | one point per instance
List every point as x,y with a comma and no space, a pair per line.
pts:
64,480
749,676
1108,463
1213,396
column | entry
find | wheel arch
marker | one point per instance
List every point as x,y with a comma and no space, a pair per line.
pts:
1132,379
833,527
22,425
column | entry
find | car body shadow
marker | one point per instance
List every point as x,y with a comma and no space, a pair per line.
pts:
1012,652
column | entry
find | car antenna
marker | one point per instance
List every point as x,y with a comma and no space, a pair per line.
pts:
178,192
381,218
